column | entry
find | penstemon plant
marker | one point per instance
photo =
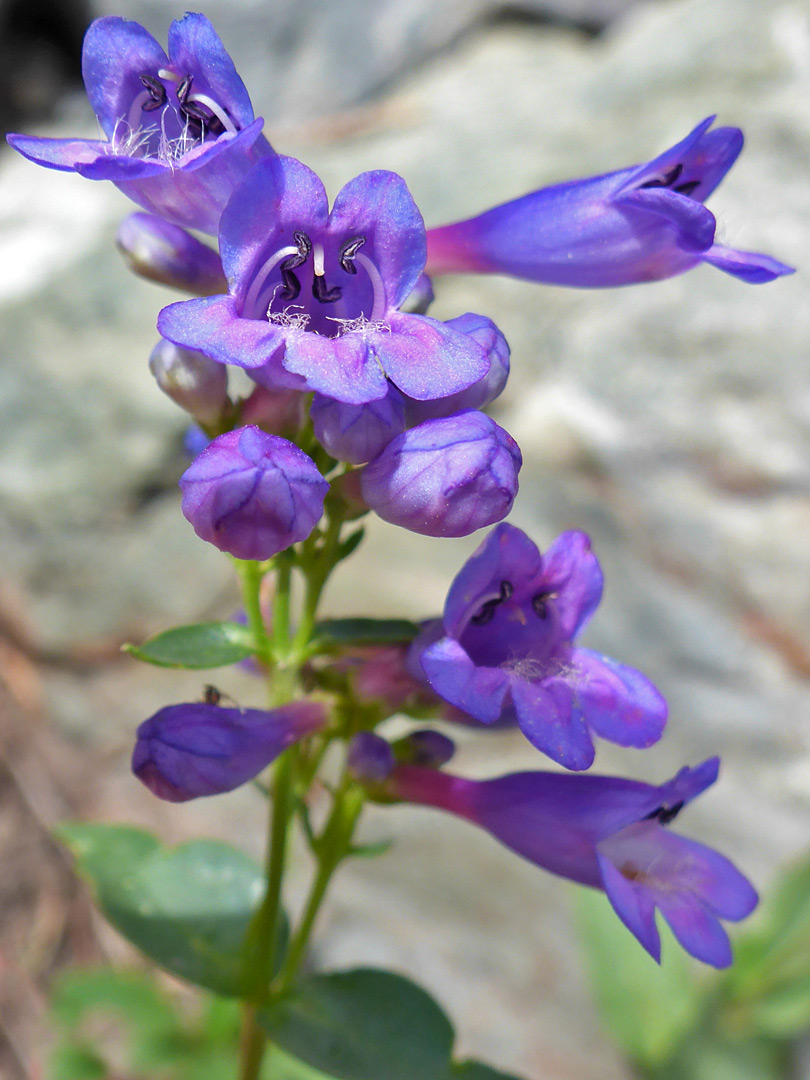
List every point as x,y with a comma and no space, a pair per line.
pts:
360,403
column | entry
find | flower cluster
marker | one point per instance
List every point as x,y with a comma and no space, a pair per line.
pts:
363,402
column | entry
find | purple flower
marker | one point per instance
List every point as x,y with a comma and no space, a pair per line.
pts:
504,649
638,224
357,433
159,251
370,757
252,494
180,132
446,477
608,833
185,751
314,295
481,393
190,379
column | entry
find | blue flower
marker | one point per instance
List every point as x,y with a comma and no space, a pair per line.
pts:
314,296
504,650
180,131
639,224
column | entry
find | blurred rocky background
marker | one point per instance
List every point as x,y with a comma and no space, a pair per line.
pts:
671,421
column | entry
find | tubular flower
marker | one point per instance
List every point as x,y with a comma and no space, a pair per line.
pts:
314,295
180,131
505,650
185,751
446,477
608,833
642,223
157,250
252,494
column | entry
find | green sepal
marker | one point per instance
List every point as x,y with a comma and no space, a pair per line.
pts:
187,908
345,632
200,645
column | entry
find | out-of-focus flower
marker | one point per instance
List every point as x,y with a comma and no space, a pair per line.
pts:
608,833
505,648
446,477
180,132
252,494
639,224
194,382
314,295
185,751
157,250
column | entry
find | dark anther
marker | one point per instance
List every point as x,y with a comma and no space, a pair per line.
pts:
667,180
540,604
292,286
687,188
322,294
194,110
486,613
348,252
157,92
665,814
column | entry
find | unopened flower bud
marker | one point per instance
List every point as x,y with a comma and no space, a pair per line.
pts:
426,748
357,433
446,477
185,751
281,412
157,250
370,757
195,383
486,390
252,494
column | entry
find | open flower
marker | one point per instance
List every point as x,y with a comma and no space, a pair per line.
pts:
185,751
314,295
505,648
609,833
180,132
639,224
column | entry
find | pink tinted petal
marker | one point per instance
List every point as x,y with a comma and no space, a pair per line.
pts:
122,169
697,930
427,359
508,554
115,53
617,702
63,154
633,905
210,325
344,368
748,266
572,572
379,206
693,226
480,692
548,720
277,197
195,49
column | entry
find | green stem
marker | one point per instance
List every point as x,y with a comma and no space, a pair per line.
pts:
334,845
316,579
251,574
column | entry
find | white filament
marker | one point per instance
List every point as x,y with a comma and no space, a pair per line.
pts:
264,272
379,306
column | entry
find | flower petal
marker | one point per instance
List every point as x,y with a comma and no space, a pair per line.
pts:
634,906
195,49
697,930
427,359
63,154
617,702
693,225
344,368
748,266
116,52
572,572
480,692
549,721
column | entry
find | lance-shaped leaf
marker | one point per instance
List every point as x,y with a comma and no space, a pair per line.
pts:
201,645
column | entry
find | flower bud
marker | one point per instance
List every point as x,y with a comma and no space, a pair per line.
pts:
357,433
252,494
280,412
426,748
446,477
370,757
195,383
486,390
159,251
185,751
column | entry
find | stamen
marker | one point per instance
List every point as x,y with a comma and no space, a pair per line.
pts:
137,107
688,187
217,111
348,253
540,603
264,272
667,180
323,294
665,814
379,306
486,612
317,260
172,76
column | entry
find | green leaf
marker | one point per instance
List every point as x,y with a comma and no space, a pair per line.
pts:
202,645
364,1025
709,1057
71,1062
350,544
783,1012
188,908
345,632
647,1008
